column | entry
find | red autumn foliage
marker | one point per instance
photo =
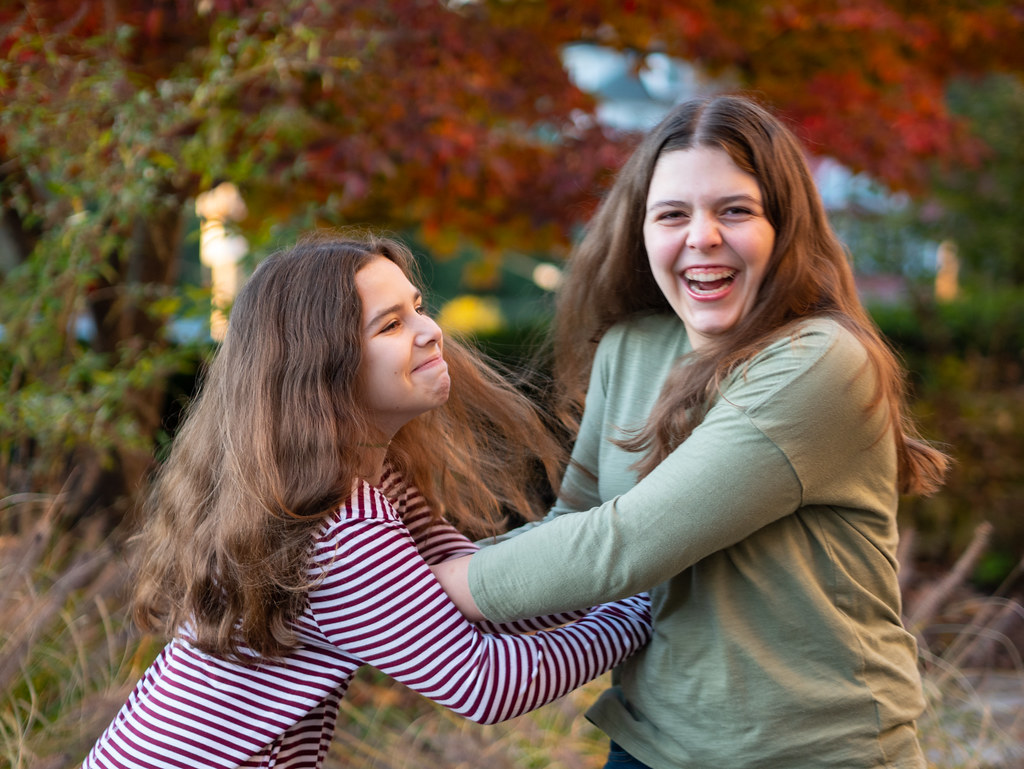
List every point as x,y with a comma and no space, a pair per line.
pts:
461,115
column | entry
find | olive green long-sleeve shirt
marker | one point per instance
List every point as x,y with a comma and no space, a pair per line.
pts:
767,540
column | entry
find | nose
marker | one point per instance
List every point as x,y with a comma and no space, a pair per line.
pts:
427,331
703,233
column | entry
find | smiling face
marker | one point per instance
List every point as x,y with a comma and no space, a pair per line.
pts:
402,372
707,239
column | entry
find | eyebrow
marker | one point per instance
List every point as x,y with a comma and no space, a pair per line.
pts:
417,295
720,201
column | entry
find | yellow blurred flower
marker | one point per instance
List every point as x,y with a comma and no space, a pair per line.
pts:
471,314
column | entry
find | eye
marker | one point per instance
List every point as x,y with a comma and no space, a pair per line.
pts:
421,309
389,326
740,211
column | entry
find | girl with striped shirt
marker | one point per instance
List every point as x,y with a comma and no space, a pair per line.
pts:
288,538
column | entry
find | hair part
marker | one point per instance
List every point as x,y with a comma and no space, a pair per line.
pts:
270,446
609,280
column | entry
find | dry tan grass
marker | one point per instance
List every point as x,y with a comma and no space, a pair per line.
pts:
972,667
66,656
385,726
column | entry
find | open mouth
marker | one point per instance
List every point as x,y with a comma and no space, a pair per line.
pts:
708,280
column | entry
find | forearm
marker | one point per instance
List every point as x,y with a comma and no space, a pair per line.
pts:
454,578
379,616
686,509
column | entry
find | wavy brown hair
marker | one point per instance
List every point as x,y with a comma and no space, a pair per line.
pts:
270,446
609,279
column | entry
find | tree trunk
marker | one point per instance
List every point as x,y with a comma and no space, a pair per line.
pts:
123,319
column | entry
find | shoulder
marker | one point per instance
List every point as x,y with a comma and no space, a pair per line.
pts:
356,524
825,349
819,356
814,394
642,337
815,340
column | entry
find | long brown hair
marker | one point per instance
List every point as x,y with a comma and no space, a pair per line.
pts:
270,446
609,279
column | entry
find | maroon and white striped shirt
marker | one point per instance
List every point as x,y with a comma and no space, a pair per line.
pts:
375,602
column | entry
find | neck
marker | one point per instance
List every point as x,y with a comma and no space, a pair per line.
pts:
371,461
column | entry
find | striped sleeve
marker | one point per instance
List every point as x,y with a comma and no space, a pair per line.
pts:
378,600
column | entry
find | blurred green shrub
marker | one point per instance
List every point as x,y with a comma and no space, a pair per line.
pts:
986,326
966,360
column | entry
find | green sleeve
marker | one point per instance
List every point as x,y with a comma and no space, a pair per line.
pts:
678,514
794,412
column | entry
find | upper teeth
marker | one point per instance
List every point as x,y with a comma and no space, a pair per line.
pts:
708,274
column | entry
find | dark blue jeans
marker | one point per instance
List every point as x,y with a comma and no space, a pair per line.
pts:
620,759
